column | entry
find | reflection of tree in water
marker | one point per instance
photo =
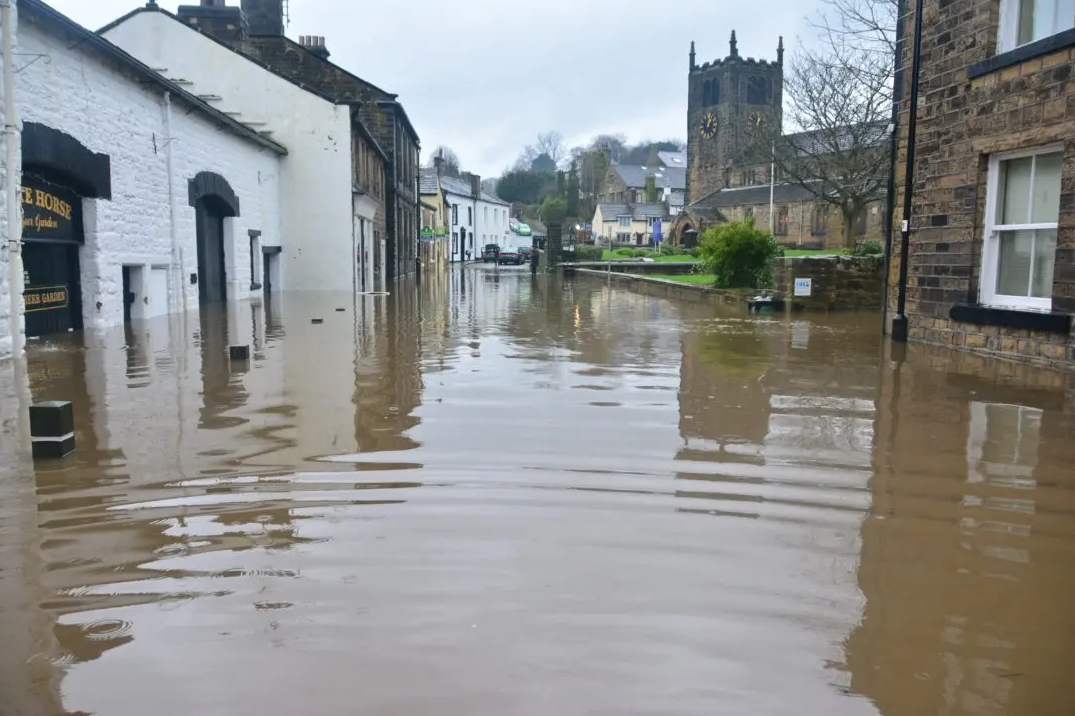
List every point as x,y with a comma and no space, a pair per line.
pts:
737,353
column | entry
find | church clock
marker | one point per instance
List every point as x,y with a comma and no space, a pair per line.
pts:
709,125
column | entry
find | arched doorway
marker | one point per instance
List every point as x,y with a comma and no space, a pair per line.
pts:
214,201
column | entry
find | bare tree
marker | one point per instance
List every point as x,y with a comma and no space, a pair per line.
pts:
451,159
552,144
614,144
841,97
861,28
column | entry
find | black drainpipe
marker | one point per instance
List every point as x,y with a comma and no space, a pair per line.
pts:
894,144
900,327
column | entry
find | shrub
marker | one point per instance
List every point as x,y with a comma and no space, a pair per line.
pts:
641,253
584,252
868,248
668,250
740,256
624,253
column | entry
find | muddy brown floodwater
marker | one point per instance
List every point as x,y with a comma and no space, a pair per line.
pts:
514,495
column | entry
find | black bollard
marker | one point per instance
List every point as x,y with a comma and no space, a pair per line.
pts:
239,352
52,429
317,321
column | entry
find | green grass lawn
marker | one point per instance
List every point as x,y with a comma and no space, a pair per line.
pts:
607,255
691,278
815,252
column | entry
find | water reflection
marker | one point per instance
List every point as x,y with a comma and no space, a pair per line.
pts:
642,506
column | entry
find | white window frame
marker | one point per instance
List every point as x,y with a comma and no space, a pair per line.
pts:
625,222
1008,27
987,293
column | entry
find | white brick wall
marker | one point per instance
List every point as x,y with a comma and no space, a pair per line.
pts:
113,113
5,175
317,211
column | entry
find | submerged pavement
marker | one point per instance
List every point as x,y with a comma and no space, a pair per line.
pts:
493,493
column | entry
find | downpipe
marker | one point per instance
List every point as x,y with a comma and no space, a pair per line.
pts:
14,172
173,217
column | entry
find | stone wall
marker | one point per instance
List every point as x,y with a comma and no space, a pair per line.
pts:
837,282
974,104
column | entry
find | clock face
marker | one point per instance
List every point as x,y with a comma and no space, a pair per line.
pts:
709,125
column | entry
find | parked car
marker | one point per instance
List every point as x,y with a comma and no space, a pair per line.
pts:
490,252
525,252
511,256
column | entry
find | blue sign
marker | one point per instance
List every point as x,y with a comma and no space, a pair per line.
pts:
657,231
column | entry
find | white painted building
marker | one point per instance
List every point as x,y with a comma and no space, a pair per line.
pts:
326,226
475,217
138,198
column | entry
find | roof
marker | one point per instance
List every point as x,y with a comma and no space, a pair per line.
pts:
87,40
673,159
637,212
634,176
456,187
758,194
268,68
427,180
839,139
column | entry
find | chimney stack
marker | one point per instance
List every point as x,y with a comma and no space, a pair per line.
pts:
214,17
476,185
266,17
315,44
438,162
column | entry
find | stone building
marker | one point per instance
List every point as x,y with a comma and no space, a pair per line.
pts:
256,29
729,176
138,198
626,183
991,266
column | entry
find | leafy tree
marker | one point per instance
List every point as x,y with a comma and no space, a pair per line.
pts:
553,209
739,256
573,190
561,184
523,186
651,189
543,164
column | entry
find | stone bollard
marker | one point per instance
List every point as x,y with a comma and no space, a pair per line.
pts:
52,429
239,352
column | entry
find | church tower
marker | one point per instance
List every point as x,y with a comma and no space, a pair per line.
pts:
725,98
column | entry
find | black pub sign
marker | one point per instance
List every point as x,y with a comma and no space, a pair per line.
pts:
49,211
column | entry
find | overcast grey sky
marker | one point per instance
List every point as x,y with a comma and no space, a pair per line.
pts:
486,76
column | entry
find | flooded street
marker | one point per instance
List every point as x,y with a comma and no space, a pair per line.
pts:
493,493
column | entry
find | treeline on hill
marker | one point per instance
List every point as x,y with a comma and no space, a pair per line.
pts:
551,183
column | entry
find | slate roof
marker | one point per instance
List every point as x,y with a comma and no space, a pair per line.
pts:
456,186
427,180
759,194
638,212
634,176
673,159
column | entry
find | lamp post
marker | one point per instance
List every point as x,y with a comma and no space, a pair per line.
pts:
900,328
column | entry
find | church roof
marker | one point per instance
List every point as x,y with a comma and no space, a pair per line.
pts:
758,194
637,212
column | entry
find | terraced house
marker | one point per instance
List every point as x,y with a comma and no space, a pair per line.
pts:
991,262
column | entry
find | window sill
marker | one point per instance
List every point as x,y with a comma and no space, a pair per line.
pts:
1044,46
1009,318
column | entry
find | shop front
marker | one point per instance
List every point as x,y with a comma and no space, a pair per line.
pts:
52,237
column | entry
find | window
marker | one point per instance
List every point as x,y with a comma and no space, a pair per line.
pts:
455,214
819,220
1022,211
781,226
470,216
1025,21
748,214
625,222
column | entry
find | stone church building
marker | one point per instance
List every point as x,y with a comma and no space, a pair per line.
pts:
728,175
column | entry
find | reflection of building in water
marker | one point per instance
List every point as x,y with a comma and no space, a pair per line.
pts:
968,550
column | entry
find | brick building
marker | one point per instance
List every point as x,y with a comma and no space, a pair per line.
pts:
991,265
259,33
